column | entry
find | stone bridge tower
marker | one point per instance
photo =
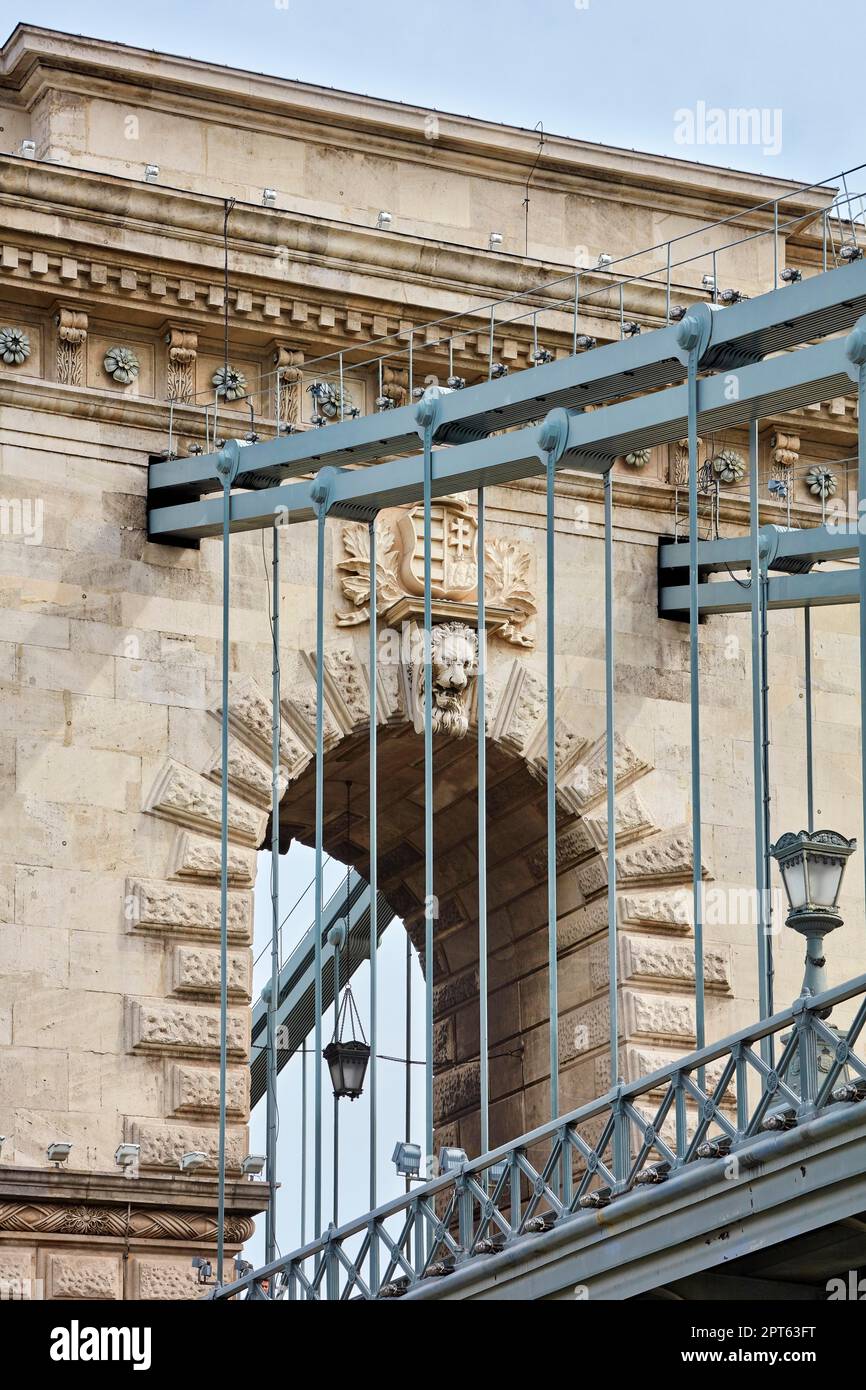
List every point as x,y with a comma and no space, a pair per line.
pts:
113,310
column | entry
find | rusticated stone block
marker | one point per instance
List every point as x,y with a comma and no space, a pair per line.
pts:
672,910
248,774
633,821
163,1278
196,970
196,1091
655,958
84,1276
457,1089
16,1272
164,1145
571,846
664,1016
199,859
251,716
187,1030
662,857
589,782
592,877
458,989
181,795
443,1041
582,923
155,905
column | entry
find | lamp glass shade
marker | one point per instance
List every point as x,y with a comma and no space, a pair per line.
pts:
347,1063
794,879
825,879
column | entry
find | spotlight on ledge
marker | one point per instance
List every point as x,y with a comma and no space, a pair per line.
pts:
58,1152
585,341
456,383
28,149
193,1160
269,198
630,329
126,1155
2,1142
151,173
604,261
731,297
384,220
452,1159
791,275
407,1159
777,487
851,253
203,1268
542,356
498,371
494,241
709,283
288,428
678,312
253,1166
384,403
195,449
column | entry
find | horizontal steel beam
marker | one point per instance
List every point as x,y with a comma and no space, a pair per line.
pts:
808,545
783,318
591,443
786,591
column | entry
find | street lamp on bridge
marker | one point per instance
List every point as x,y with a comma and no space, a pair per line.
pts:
812,865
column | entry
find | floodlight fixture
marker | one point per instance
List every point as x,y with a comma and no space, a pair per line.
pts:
678,312
791,275
126,1155
384,403
384,220
269,198
452,1159
253,1166
498,371
850,253
192,1161
542,356
203,1268
407,1159
151,173
709,283
777,487
456,383
585,341
604,260
494,241
630,329
28,149
58,1152
731,296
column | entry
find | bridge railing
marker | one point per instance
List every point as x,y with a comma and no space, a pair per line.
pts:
700,1107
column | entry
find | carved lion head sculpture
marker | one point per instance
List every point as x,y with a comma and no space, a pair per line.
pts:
454,665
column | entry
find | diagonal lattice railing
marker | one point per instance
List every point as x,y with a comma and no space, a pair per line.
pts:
701,1106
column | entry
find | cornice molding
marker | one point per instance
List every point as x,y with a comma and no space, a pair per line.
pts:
32,53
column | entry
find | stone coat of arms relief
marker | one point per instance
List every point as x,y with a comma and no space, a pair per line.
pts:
454,570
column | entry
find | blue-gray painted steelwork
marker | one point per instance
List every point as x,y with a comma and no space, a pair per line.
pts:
524,1209
441,1226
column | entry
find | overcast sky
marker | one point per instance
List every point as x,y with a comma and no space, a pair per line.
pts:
620,72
